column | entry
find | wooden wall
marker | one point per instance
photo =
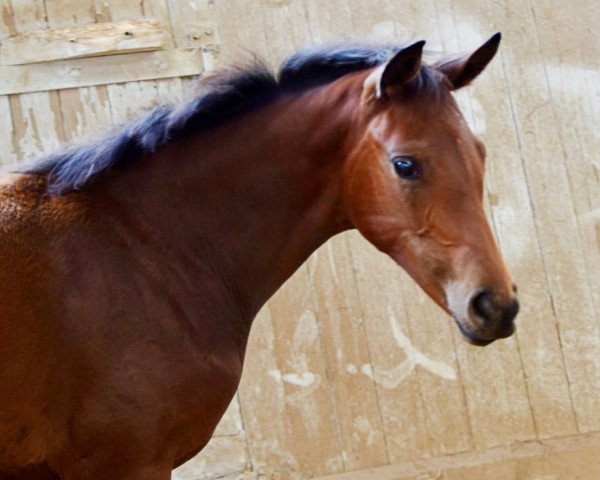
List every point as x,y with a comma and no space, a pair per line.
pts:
351,368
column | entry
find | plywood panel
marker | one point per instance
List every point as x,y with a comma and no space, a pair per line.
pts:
107,38
196,26
309,405
36,117
288,348
416,329
99,71
341,321
8,150
538,344
351,366
262,398
574,88
556,225
564,458
37,123
398,365
496,375
19,16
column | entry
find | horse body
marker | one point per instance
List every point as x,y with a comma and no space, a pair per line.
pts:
138,331
126,304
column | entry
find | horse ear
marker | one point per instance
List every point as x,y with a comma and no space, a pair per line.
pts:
462,68
401,69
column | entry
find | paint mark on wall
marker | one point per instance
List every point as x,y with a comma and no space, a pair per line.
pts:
392,378
415,356
589,217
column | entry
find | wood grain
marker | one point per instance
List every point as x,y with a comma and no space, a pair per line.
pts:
351,367
108,38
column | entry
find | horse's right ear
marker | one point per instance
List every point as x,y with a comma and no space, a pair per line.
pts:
462,68
401,69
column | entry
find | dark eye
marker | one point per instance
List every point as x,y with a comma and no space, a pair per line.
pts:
407,168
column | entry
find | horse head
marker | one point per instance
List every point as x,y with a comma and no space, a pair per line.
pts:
413,186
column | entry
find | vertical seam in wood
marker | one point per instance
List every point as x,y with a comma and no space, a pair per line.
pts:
329,383
537,236
588,276
460,376
368,348
499,240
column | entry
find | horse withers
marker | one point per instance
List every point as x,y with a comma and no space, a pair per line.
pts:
131,268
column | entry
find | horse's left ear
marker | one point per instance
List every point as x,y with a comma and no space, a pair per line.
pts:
462,68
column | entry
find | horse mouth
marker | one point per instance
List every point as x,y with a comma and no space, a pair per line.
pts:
472,337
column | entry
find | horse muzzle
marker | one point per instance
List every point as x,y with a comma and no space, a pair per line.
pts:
487,317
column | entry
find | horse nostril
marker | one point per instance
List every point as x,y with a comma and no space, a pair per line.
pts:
485,307
490,311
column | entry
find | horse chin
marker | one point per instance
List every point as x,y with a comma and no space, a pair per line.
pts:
472,337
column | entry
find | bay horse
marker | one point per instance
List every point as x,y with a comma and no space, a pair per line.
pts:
132,267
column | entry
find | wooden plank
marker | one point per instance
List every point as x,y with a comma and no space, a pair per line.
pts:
130,100
562,458
275,411
99,71
493,375
20,16
37,123
19,135
238,40
195,21
231,423
538,344
424,371
107,38
310,411
8,150
396,362
223,456
36,117
262,399
115,10
74,13
197,27
85,111
553,208
571,67
286,30
159,9
346,352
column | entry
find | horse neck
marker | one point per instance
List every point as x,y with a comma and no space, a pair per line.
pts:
252,199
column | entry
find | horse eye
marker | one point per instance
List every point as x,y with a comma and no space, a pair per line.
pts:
407,168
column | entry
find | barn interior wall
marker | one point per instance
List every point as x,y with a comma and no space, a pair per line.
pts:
351,371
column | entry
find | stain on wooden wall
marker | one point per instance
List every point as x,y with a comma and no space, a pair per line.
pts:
350,367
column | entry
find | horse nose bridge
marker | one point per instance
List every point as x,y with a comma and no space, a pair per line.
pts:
482,256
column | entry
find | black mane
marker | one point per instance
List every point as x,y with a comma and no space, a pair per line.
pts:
225,96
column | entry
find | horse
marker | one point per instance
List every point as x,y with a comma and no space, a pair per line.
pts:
132,266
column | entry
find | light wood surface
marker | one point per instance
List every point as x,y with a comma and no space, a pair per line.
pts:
107,38
351,371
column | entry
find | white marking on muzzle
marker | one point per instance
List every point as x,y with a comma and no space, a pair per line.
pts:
458,295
